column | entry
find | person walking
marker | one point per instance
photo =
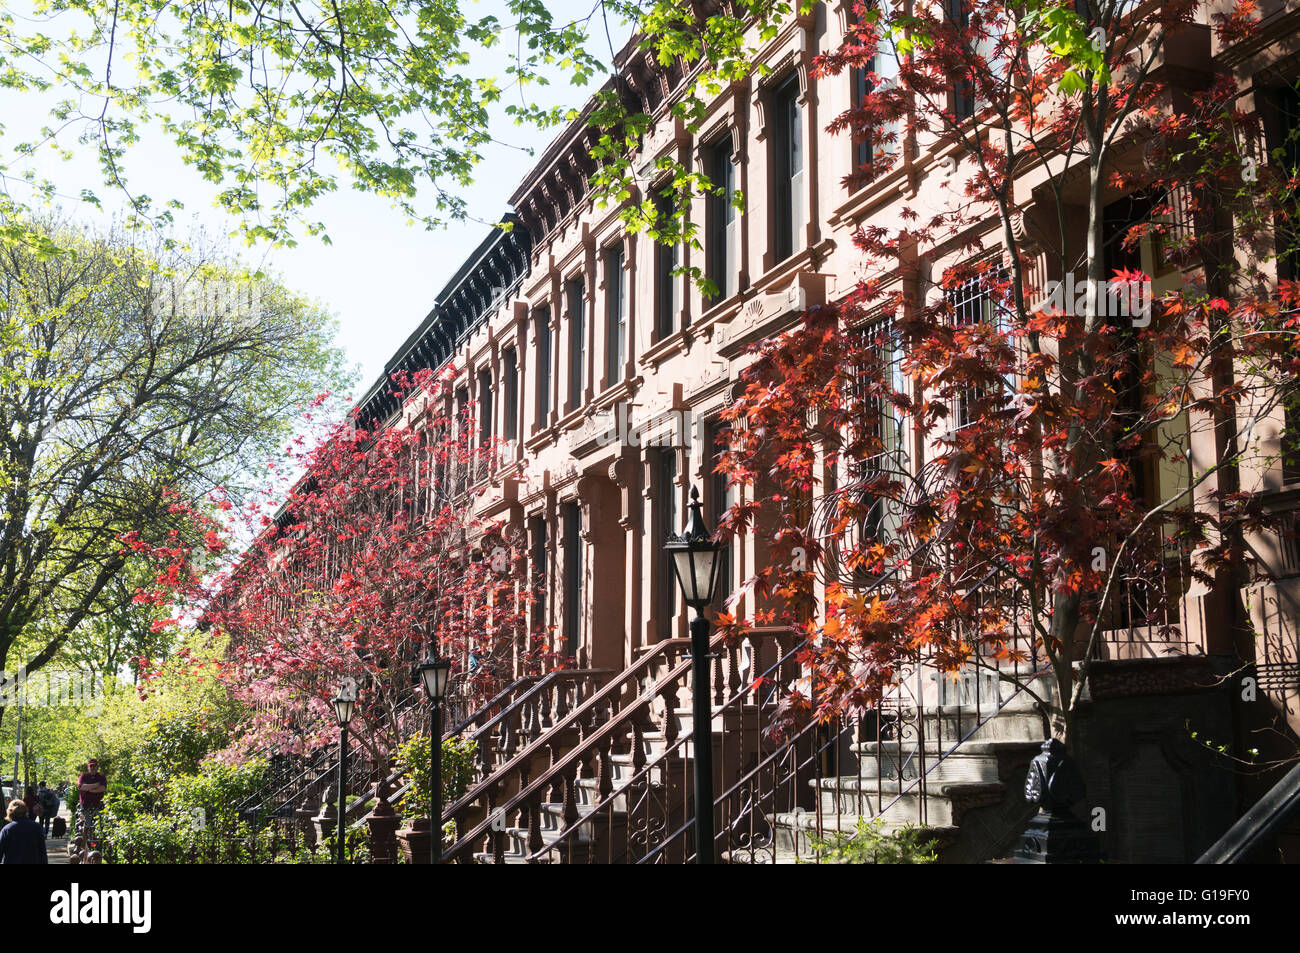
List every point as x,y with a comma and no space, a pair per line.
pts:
49,802
91,787
21,840
33,805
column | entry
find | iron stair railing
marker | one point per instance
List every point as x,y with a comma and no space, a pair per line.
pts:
1241,839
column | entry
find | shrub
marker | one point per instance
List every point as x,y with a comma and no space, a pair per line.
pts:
459,768
209,798
870,843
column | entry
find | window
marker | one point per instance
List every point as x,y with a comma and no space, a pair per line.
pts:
572,578
577,343
667,283
881,142
723,244
665,490
862,86
615,315
456,463
963,90
484,407
1280,112
982,53
510,394
881,426
721,498
537,533
543,367
974,300
788,161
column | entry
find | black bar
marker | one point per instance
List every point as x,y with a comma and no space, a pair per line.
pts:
703,730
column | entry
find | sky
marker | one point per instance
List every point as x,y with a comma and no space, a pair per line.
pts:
378,277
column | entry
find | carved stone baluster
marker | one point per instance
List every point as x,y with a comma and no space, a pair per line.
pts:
638,746
570,800
569,813
736,654
487,747
535,842
496,836
669,696
555,792
547,704
605,771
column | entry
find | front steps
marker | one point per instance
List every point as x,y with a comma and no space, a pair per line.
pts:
971,799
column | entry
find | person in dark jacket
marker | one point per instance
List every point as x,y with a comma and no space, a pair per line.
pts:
49,802
21,841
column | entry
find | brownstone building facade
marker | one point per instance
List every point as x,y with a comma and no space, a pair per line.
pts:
603,371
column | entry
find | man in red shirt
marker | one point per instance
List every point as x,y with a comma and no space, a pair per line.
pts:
91,787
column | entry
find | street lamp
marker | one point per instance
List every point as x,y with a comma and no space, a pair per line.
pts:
695,556
434,672
344,703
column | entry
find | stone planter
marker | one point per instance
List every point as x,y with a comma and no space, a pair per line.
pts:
416,841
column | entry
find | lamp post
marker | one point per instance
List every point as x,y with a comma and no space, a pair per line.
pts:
344,702
695,558
434,672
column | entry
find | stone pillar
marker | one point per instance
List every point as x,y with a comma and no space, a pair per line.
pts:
383,822
327,820
303,817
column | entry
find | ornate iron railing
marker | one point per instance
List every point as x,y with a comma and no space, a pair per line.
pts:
516,791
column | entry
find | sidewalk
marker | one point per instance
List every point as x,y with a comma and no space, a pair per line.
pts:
56,848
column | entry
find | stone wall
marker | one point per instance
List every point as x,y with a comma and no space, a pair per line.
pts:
1165,795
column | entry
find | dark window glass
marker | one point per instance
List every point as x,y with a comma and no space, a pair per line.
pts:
543,368
615,316
722,220
577,343
510,395
572,578
788,146
721,498
538,530
861,140
666,507
484,407
963,90
667,298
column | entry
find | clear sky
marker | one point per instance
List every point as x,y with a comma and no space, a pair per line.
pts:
379,275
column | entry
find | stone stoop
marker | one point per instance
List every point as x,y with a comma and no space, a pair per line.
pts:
973,805
669,783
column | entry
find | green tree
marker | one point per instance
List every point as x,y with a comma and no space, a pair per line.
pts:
278,102
135,373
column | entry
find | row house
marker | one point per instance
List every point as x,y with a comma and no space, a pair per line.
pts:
602,371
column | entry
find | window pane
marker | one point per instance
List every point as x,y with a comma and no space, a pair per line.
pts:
577,344
722,223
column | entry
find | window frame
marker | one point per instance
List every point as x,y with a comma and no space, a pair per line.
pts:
789,161
575,307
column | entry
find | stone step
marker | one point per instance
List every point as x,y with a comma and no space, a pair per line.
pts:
953,725
793,831
970,761
898,800
842,809
785,854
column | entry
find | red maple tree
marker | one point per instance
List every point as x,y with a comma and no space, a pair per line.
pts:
957,469
375,555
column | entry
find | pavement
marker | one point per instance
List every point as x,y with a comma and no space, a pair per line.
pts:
56,850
